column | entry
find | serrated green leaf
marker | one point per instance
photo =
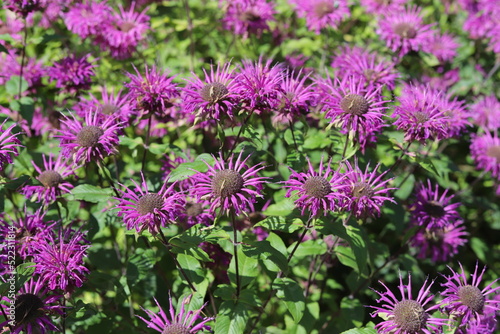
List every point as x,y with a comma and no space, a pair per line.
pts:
232,318
187,169
282,208
292,294
271,251
89,193
281,224
12,86
248,268
191,267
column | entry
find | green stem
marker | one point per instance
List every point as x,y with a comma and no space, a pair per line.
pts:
239,134
146,143
164,241
235,251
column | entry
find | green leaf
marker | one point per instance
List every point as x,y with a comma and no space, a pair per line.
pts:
89,193
12,86
271,251
131,143
309,247
24,273
480,248
354,256
292,294
140,264
191,267
232,318
281,224
282,208
248,268
187,169
363,330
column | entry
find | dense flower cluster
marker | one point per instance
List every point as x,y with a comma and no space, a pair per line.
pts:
222,150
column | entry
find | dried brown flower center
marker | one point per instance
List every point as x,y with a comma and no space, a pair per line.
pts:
361,189
227,182
494,152
323,8
354,104
317,187
405,30
109,109
50,178
214,92
471,297
176,329
410,316
435,236
194,209
89,136
434,209
421,117
28,308
126,26
149,202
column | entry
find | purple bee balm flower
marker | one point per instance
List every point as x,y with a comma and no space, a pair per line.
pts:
367,190
9,144
443,46
232,187
404,30
25,7
212,98
245,17
93,141
365,65
351,105
10,65
420,114
34,306
258,85
485,150
72,73
110,105
86,19
457,115
431,208
142,209
59,261
28,229
440,244
52,179
295,98
408,315
196,212
124,31
153,93
321,14
316,191
42,124
444,80
485,112
466,301
174,322
380,7
485,324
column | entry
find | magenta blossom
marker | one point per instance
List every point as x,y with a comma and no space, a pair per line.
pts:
319,191
466,301
142,209
181,321
321,14
52,179
90,142
407,315
231,185
245,17
9,144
